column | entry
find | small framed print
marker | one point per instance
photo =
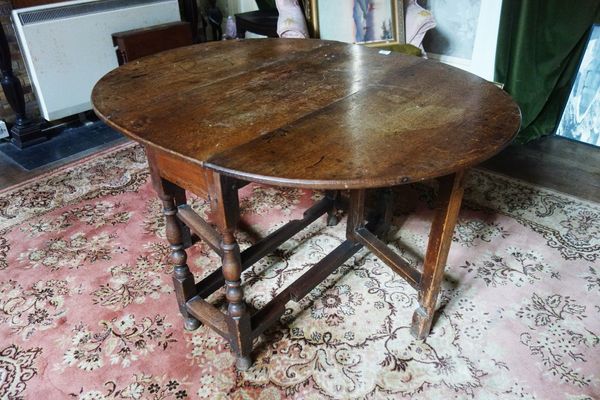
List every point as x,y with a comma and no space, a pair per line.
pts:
369,22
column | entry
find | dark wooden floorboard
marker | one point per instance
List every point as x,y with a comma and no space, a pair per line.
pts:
553,162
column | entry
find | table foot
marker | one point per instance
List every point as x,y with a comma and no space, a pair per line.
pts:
191,324
183,281
243,363
240,330
421,323
332,220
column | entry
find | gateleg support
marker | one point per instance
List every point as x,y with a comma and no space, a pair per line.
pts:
440,237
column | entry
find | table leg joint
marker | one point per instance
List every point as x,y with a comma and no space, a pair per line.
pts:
200,227
209,315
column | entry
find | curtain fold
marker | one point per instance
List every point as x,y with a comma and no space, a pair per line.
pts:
266,4
540,45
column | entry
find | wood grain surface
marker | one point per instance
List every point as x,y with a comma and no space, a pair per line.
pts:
308,113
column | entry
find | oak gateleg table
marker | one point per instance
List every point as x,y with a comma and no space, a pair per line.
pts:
300,113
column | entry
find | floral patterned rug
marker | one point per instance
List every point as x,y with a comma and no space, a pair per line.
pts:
87,309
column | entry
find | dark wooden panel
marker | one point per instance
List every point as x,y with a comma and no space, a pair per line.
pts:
31,3
137,43
404,131
554,162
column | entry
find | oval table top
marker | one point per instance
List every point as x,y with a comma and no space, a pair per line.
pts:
308,113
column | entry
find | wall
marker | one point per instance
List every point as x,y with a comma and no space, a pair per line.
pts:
18,65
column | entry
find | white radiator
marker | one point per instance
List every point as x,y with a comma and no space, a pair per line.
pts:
68,46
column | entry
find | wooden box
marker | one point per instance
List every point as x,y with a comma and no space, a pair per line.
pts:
142,42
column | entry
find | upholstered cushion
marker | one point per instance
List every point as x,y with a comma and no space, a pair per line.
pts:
291,22
418,22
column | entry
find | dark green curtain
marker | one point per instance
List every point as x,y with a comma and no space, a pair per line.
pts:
540,45
266,4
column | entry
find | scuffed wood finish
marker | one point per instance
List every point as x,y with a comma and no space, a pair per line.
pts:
304,113
308,113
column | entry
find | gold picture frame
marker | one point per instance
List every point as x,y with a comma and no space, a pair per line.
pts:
335,19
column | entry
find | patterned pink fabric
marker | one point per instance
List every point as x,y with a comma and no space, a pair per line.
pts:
87,309
291,22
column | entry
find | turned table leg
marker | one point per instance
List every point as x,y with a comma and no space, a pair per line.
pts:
181,200
184,284
440,237
225,208
183,280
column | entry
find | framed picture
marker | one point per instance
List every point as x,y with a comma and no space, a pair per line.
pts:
581,116
466,34
370,22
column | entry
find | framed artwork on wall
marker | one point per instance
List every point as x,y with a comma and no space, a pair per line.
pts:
370,22
581,116
466,34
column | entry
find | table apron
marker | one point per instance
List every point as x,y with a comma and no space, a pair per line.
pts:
194,178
